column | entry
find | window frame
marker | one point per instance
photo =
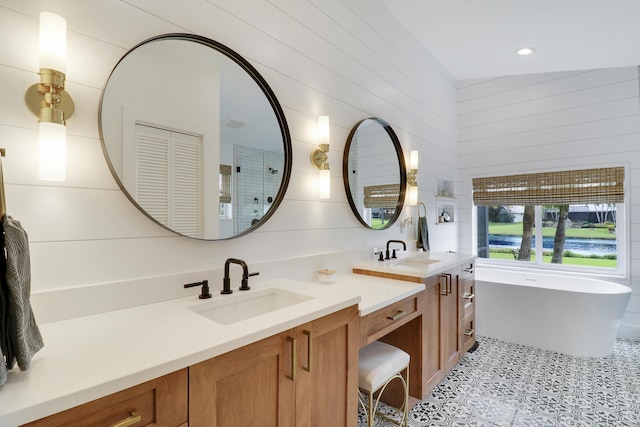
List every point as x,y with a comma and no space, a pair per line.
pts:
623,239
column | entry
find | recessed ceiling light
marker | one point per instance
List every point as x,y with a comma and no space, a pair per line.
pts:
525,51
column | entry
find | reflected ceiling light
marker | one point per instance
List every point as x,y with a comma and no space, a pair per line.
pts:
319,158
525,51
48,100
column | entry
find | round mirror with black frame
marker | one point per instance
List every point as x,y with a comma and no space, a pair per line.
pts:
374,173
195,137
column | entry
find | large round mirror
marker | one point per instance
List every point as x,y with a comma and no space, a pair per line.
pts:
195,137
374,173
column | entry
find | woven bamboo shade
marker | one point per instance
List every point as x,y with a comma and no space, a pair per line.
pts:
225,183
604,185
384,196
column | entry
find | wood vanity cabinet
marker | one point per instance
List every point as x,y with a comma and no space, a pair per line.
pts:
306,376
159,402
443,343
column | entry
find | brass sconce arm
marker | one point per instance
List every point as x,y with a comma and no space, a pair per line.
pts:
48,100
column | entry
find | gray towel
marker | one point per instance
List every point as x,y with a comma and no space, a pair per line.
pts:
3,369
423,233
24,334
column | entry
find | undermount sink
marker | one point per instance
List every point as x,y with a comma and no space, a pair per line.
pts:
245,305
416,262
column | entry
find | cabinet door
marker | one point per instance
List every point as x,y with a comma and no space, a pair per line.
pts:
327,380
250,386
452,339
432,365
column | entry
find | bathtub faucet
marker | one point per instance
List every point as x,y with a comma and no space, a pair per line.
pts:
404,247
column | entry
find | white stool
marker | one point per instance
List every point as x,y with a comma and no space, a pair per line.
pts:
379,364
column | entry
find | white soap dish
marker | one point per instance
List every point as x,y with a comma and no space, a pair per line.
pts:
327,276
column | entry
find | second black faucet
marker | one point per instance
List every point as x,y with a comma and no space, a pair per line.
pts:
404,246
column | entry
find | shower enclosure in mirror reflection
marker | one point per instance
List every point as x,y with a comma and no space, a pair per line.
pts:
374,173
195,137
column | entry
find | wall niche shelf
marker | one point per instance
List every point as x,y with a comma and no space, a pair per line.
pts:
445,213
445,189
445,202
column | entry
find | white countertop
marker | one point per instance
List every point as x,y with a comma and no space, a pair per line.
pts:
377,292
416,264
89,357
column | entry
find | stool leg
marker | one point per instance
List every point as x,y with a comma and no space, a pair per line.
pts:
371,414
405,417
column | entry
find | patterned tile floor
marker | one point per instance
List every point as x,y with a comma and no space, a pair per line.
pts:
505,384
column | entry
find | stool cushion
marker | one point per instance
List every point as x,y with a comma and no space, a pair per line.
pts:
379,362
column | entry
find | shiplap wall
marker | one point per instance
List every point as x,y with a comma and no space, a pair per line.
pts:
346,59
552,121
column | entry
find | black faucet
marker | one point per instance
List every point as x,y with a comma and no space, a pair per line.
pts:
404,246
226,282
204,294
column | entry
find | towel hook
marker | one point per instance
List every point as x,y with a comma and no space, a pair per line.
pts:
420,204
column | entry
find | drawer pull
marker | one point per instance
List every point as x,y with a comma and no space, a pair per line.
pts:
468,296
469,332
468,270
443,285
134,418
309,350
398,315
294,357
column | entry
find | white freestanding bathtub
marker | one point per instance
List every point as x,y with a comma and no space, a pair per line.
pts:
570,315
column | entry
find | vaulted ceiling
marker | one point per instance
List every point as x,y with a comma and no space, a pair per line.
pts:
479,38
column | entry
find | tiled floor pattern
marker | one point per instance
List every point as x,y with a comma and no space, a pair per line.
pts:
505,384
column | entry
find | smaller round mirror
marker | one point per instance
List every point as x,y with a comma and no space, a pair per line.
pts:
374,173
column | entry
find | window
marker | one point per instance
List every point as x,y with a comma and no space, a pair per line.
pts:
380,203
567,219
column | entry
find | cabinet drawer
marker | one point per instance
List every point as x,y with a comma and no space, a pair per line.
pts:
468,297
160,402
468,270
388,318
468,331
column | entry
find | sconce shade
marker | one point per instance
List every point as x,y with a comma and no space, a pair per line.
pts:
52,147
323,130
412,183
324,184
413,195
413,159
319,158
53,42
48,100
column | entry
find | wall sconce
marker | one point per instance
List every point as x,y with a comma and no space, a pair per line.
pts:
48,100
319,158
411,178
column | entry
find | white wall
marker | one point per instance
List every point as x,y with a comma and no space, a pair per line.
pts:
345,59
552,121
